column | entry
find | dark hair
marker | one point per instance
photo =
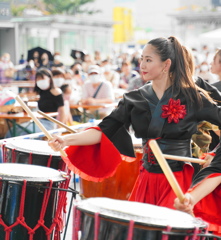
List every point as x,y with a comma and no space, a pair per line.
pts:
75,63
64,87
40,74
191,63
57,72
105,61
180,73
190,59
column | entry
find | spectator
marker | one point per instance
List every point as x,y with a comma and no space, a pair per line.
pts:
136,83
136,61
67,92
45,63
97,57
58,77
7,68
216,68
51,99
87,62
127,74
57,63
30,70
97,91
110,75
7,102
36,59
78,73
22,60
68,75
75,83
205,73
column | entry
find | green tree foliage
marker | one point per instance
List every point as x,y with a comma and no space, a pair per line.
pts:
69,7
17,11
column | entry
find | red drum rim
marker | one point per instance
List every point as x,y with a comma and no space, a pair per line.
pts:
39,147
141,213
31,173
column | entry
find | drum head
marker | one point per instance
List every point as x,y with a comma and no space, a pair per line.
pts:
31,173
39,147
141,213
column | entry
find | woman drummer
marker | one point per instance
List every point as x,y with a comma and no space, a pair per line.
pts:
168,110
203,197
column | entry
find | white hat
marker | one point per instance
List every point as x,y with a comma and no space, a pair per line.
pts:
94,69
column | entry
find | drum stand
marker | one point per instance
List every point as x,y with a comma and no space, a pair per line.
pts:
73,193
73,196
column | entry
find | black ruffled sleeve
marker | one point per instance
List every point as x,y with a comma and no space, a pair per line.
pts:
116,128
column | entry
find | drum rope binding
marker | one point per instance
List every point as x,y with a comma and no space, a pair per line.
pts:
166,236
96,226
77,222
30,158
57,223
130,230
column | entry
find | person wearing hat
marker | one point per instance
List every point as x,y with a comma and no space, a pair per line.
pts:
97,91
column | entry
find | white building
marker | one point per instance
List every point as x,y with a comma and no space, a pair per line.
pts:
182,18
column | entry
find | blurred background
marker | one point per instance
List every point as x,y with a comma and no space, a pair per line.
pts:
108,26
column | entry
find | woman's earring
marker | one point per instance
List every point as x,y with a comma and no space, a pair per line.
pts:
170,75
164,71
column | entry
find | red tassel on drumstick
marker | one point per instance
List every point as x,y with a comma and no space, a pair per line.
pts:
38,123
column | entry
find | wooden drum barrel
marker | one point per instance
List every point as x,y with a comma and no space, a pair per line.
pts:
119,186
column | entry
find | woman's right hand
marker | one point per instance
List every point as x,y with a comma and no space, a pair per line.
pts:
185,206
56,143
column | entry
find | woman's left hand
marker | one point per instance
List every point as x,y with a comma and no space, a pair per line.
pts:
208,160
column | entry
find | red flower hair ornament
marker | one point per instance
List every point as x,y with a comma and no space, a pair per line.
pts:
173,111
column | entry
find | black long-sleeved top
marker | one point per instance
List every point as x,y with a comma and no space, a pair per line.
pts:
137,108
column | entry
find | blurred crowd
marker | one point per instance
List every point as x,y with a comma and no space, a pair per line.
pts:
109,78
91,79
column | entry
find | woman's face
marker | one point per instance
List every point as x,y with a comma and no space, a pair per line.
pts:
216,65
43,83
151,65
125,68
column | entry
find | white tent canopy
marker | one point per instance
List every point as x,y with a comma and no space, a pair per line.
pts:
212,36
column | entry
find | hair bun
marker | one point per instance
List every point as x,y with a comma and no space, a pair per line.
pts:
171,39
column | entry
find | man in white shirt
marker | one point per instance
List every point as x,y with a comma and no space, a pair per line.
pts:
97,91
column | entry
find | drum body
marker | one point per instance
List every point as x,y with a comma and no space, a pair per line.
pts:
36,152
119,186
103,218
30,202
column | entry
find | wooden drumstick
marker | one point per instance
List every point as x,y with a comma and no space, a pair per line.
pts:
184,159
38,123
57,122
166,169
